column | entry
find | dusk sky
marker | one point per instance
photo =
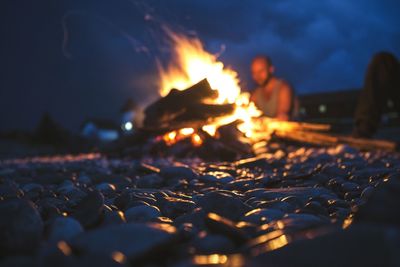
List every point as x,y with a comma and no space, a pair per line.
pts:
83,59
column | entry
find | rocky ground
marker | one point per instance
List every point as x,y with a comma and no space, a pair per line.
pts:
291,207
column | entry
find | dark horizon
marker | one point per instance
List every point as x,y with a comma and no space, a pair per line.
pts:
108,54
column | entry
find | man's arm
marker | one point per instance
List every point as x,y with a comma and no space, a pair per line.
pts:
284,102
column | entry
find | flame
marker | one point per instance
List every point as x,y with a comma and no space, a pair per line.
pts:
191,63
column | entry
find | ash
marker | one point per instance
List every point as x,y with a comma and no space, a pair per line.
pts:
292,206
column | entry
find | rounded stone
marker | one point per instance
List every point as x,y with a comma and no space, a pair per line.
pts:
262,216
64,228
143,213
21,226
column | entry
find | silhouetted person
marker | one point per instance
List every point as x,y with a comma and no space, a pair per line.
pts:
382,83
273,96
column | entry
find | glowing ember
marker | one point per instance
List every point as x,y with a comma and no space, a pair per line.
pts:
191,63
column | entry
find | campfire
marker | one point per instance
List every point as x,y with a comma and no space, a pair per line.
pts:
211,94
201,102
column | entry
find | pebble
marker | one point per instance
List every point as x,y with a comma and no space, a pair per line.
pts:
173,207
64,228
33,190
133,239
367,192
225,227
143,213
150,181
217,177
89,209
382,205
10,191
223,205
21,227
116,211
262,216
111,217
212,244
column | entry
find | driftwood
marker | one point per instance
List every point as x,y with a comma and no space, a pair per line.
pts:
180,109
188,108
315,134
329,139
265,123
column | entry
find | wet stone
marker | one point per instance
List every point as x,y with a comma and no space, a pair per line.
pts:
21,227
178,173
149,238
285,207
314,207
84,179
293,201
296,222
111,211
365,245
33,190
216,177
367,192
195,218
262,216
150,181
64,228
106,188
173,207
223,205
123,200
349,186
213,243
382,205
223,226
303,193
111,217
10,191
116,180
89,209
143,213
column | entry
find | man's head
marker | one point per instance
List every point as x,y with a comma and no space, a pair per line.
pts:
261,69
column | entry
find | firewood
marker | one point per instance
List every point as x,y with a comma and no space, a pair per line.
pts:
368,143
265,124
328,139
180,109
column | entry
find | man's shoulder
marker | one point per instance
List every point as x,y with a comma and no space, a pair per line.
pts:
283,82
285,85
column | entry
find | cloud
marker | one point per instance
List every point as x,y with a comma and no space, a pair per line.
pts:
316,45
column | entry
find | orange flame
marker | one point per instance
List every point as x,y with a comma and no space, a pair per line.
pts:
191,63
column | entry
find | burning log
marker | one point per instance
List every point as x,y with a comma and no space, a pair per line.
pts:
180,109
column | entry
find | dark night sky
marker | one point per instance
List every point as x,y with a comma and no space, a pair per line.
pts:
111,48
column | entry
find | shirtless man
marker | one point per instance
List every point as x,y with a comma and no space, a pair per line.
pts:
273,96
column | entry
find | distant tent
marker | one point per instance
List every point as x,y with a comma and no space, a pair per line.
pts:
100,129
